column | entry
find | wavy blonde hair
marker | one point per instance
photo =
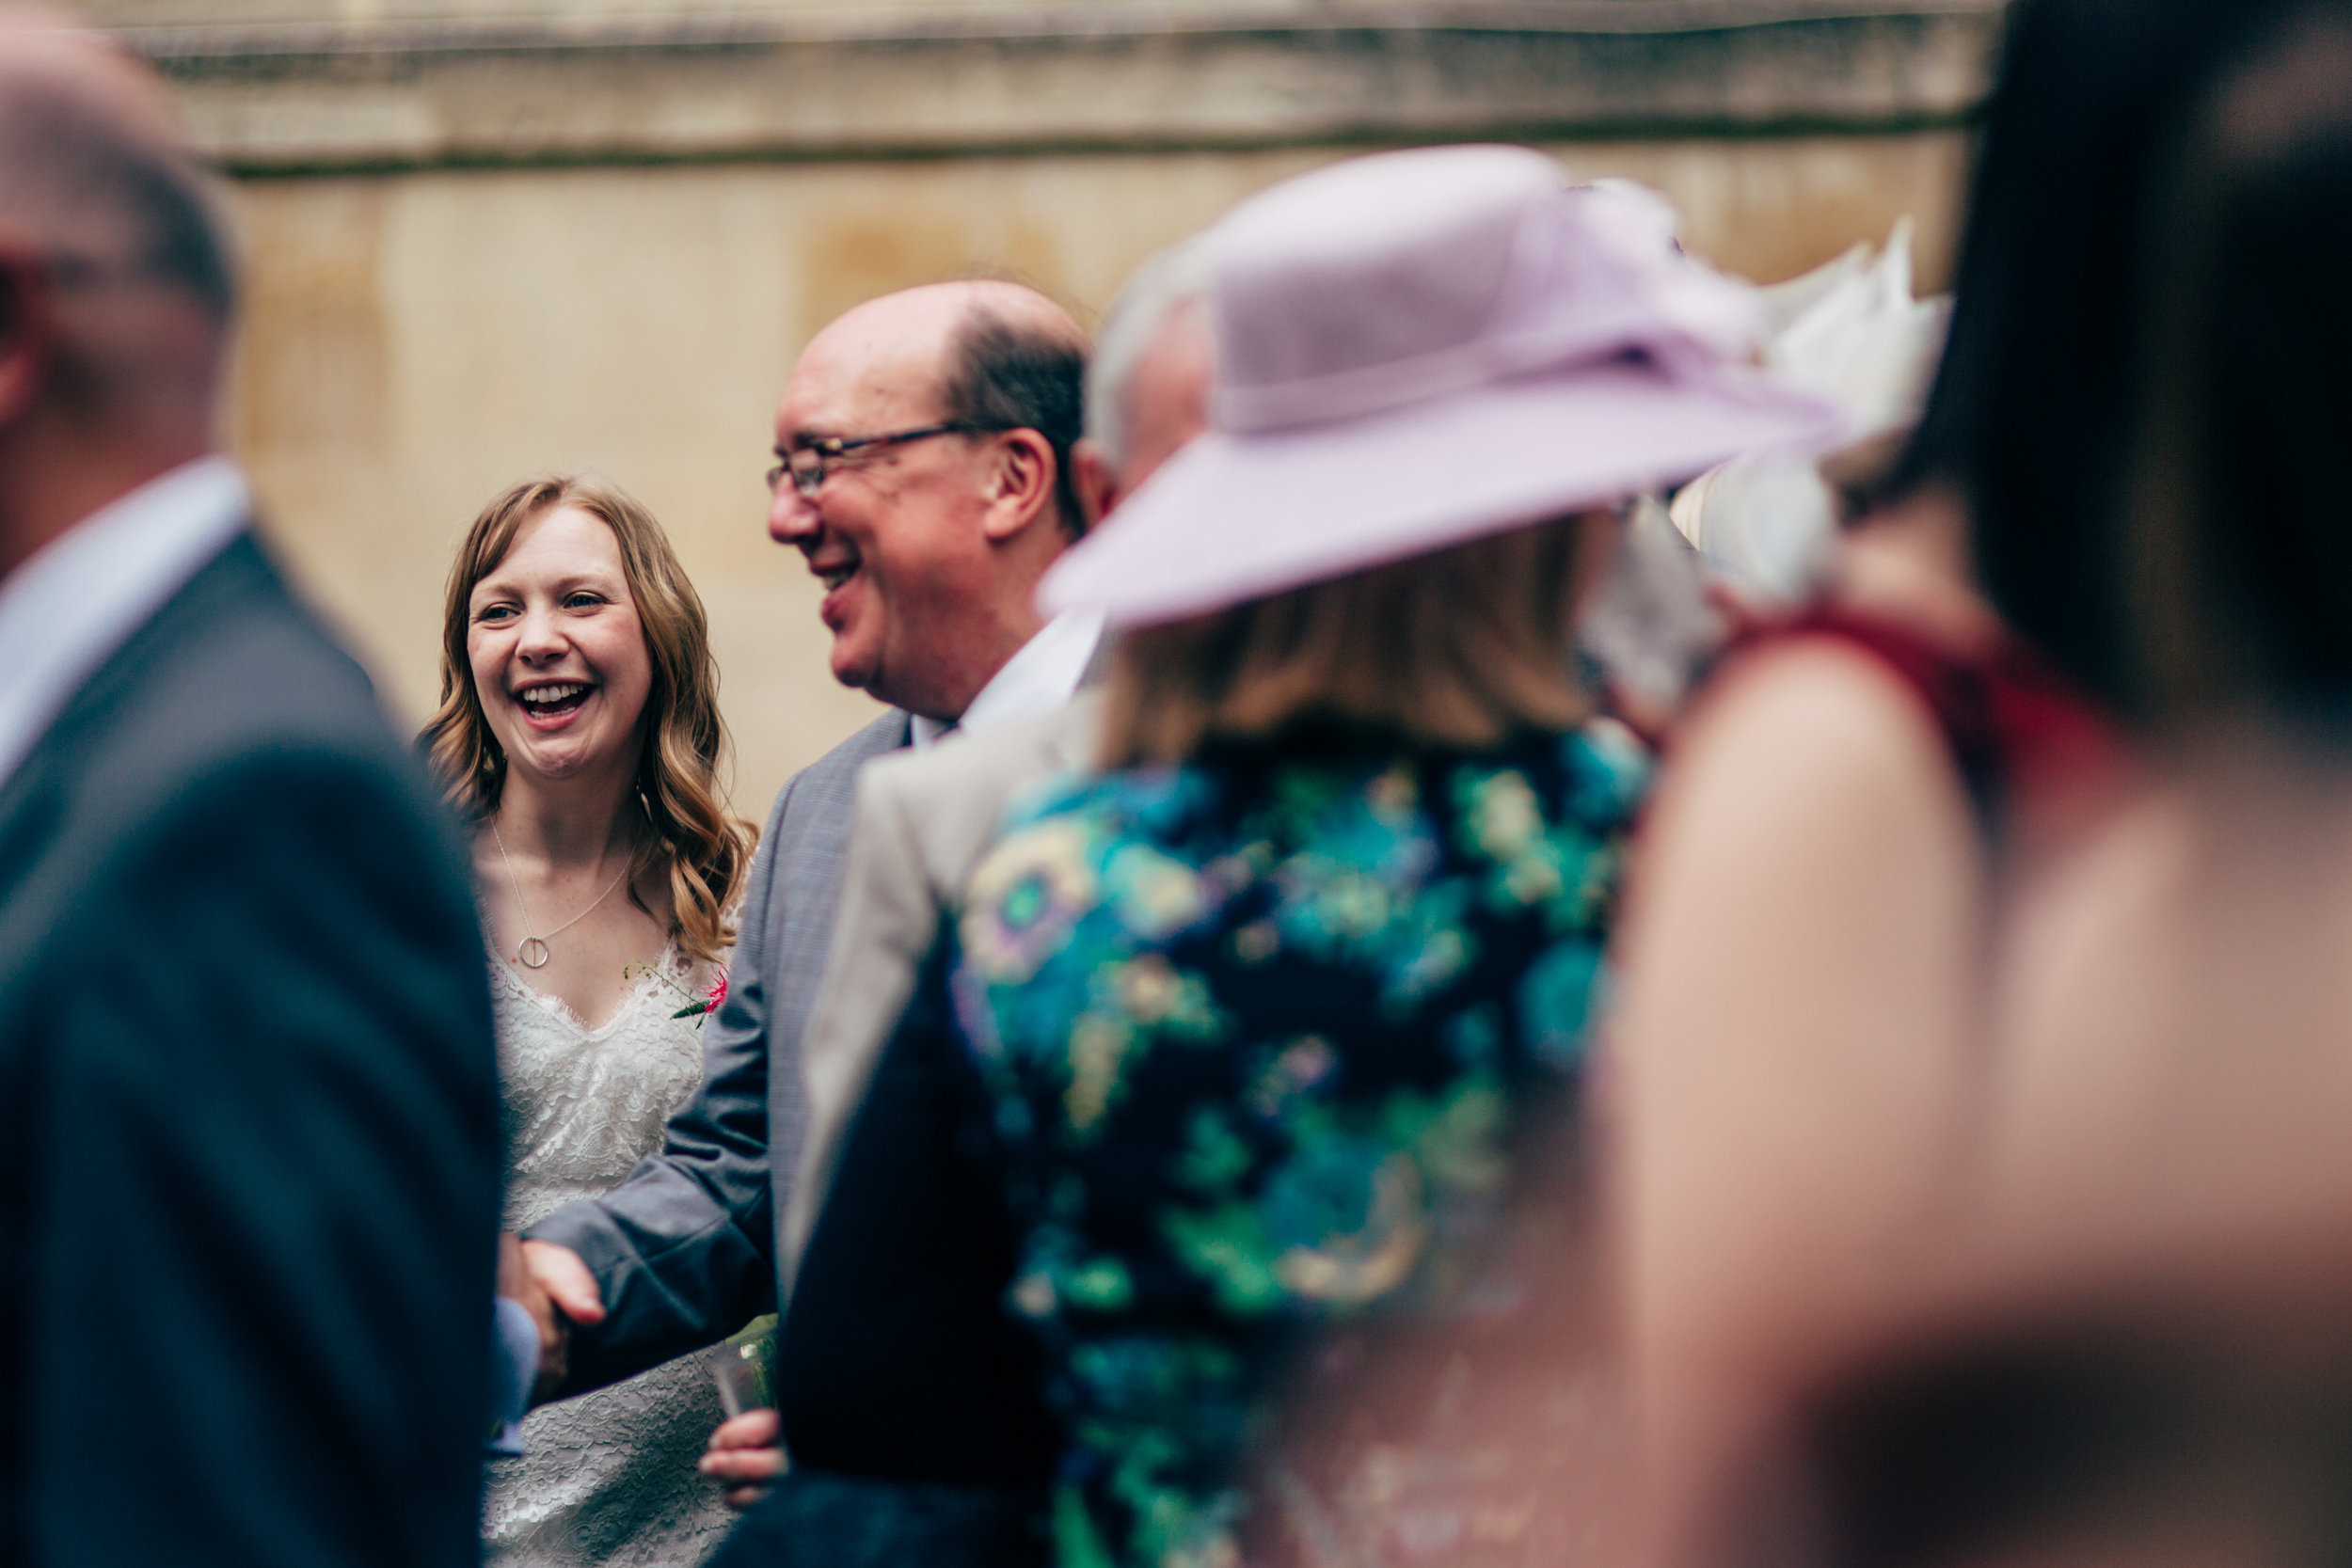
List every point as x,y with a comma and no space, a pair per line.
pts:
708,850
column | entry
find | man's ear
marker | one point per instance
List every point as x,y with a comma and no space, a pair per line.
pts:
28,330
1020,484
1095,480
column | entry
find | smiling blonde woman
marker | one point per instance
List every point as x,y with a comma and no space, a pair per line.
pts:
578,734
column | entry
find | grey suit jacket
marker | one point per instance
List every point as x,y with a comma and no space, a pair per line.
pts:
684,1249
923,821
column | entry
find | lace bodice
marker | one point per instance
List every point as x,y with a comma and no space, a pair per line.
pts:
610,1477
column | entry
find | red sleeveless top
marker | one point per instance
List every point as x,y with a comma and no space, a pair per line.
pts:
2017,730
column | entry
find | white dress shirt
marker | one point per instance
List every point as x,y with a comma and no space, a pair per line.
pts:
1042,676
80,596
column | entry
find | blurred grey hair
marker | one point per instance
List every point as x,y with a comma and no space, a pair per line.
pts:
1151,293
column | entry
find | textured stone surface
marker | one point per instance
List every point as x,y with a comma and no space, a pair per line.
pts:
293,91
415,343
593,234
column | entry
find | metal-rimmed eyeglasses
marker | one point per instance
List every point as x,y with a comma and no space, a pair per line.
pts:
808,465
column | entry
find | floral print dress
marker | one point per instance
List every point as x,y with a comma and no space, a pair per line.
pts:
1256,1030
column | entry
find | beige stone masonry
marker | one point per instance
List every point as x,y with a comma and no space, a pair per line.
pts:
313,93
584,235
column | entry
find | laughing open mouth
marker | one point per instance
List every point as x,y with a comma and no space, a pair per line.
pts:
554,699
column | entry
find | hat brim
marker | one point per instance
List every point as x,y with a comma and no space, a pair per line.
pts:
1234,517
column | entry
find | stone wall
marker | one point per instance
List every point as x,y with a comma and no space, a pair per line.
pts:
583,236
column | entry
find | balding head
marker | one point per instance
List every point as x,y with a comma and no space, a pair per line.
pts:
931,542
92,169
1003,357
930,313
115,281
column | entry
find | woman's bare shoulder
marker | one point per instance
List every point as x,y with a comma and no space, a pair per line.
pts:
1803,731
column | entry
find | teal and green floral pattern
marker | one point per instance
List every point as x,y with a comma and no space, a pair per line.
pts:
1256,1029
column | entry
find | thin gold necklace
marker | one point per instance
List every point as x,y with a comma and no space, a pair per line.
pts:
534,952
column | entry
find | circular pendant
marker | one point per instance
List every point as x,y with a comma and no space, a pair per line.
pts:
532,953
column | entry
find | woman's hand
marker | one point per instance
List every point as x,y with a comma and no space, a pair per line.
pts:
745,1454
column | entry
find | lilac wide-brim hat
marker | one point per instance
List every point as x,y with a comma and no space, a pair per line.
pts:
1416,349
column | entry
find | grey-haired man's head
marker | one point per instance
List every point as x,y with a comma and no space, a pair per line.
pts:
1147,385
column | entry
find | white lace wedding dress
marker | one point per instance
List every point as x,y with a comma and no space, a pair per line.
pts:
608,1478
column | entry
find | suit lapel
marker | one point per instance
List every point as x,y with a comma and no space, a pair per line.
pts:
37,802
806,861
30,805
1098,669
233,576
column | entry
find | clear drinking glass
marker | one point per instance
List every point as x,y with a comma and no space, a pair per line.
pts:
740,1368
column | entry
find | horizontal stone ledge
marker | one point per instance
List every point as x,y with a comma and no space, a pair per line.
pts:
695,27
1105,76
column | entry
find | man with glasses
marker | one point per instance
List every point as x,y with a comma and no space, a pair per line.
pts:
897,1126
923,468
926,440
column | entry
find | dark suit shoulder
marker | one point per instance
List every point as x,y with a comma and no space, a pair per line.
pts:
232,671
232,698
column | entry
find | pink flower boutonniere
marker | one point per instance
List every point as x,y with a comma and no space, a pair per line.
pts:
709,1003
697,1007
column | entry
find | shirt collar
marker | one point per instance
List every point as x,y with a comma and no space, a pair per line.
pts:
1041,677
66,610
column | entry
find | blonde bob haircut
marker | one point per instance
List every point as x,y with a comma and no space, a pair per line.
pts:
1459,648
708,852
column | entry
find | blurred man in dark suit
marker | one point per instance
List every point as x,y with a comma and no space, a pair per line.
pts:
248,1130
